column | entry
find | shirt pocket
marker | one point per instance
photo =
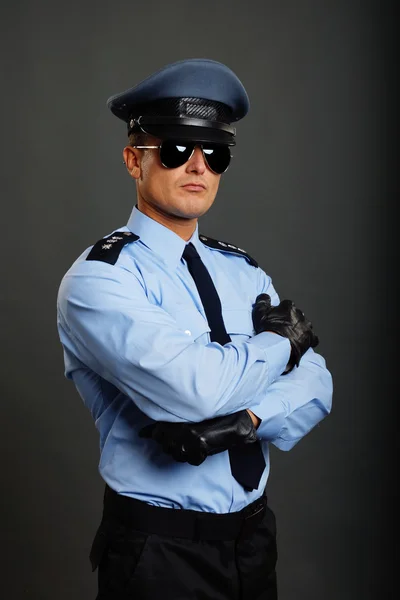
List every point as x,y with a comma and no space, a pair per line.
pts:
192,322
238,322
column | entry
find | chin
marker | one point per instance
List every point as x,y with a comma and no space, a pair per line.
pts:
192,207
188,214
192,212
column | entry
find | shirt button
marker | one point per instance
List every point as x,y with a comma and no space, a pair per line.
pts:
188,332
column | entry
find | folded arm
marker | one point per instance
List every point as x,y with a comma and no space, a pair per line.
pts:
290,407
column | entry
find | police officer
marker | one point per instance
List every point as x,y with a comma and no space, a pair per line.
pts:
189,363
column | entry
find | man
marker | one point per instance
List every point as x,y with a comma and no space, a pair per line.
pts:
189,363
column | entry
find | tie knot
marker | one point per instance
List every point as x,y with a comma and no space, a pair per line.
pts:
190,252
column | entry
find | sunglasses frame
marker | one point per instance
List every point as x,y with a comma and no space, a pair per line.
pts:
191,154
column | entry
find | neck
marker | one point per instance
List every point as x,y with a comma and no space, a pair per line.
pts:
183,227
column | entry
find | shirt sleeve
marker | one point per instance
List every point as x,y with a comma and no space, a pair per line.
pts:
106,320
294,403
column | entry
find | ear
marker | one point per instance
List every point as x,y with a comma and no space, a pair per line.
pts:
132,158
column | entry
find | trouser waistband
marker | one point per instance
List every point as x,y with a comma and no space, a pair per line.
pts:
190,524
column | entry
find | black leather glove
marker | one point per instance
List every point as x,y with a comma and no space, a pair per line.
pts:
193,442
288,321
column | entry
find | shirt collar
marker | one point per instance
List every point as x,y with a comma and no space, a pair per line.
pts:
164,242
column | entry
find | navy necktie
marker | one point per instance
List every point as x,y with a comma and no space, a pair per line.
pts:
247,461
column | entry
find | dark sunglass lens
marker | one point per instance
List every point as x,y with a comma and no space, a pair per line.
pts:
217,157
175,154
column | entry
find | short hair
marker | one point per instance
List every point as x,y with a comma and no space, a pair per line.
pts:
140,138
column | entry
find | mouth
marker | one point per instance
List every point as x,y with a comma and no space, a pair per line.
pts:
194,187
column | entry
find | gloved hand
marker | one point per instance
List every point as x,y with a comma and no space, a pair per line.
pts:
288,321
193,442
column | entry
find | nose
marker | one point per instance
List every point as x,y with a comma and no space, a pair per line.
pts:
196,163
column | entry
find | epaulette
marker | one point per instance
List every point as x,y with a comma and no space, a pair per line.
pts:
109,248
228,248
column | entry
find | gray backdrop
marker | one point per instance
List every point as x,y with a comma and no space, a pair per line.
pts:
306,196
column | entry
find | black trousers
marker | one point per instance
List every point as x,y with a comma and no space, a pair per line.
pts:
145,552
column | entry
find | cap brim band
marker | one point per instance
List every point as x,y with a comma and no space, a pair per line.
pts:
187,132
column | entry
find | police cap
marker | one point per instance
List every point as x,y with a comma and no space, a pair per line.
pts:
194,99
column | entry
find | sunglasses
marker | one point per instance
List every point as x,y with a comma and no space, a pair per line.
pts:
174,154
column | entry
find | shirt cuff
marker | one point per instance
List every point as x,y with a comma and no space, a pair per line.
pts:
272,412
277,351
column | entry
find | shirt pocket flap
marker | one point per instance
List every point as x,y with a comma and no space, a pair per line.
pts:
238,321
192,322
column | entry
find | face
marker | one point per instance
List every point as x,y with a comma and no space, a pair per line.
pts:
184,193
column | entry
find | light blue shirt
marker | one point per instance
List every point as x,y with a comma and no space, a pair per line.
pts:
137,347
